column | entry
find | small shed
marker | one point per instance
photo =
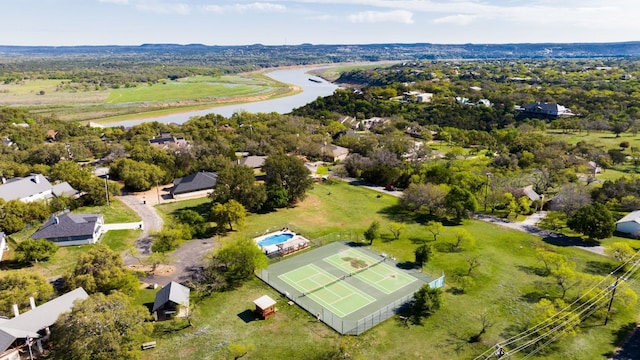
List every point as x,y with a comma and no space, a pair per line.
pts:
171,301
265,307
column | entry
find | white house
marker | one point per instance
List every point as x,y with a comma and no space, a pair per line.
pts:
629,224
3,244
34,187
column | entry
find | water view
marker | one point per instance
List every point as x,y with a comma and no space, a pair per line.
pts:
300,77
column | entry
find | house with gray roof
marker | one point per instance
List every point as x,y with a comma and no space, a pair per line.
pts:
197,184
34,323
171,301
34,187
547,110
167,141
69,229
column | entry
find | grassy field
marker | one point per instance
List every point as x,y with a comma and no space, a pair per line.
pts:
126,103
506,285
606,139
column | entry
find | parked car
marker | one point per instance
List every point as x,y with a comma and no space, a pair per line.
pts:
390,187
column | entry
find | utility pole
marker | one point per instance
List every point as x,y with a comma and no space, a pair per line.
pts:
486,191
613,293
106,188
158,190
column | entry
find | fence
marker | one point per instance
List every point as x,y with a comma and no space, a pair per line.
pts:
337,236
343,326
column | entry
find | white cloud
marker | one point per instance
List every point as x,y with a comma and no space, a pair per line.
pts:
455,19
161,8
256,6
400,16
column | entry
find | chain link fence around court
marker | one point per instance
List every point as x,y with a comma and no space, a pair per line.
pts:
343,326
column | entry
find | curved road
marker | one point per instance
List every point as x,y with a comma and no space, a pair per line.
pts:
152,223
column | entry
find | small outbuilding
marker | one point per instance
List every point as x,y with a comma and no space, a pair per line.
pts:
629,224
265,307
171,301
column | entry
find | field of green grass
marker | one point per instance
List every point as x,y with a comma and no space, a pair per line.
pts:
602,138
506,285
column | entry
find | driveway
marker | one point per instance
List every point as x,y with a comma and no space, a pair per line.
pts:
529,225
152,223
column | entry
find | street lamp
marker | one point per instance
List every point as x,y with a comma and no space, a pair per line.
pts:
106,188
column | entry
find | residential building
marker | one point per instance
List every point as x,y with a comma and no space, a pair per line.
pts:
253,161
545,109
3,244
167,141
197,184
334,152
35,323
69,229
630,224
171,301
34,187
367,124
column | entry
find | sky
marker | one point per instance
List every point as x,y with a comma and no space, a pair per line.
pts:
293,22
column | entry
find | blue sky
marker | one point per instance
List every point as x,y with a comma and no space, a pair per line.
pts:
277,22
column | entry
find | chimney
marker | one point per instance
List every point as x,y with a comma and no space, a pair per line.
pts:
36,179
32,302
4,180
15,310
56,220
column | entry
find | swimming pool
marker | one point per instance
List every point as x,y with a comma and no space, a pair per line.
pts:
275,239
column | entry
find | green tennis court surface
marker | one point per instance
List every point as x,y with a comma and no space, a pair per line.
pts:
373,271
346,285
327,290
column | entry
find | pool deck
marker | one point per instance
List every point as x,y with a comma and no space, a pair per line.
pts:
295,243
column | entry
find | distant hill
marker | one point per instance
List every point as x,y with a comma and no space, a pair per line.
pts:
308,53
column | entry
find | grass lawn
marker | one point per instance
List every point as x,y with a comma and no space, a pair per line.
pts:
606,139
505,285
179,90
117,212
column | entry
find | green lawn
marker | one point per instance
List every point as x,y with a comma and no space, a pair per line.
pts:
116,212
506,286
605,138
179,90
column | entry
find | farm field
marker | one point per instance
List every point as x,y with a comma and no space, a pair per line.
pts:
505,286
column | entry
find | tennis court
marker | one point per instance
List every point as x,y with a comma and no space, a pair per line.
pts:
373,271
327,290
346,285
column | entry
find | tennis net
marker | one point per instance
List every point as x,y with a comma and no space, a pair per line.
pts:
323,286
367,267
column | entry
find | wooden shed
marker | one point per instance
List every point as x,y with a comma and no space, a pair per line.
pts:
265,307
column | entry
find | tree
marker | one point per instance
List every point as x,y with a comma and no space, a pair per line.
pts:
238,183
473,262
238,350
460,201
426,301
552,260
424,196
372,231
620,251
102,270
289,173
463,239
239,260
169,239
101,328
434,227
35,250
227,214
396,229
594,221
423,254
565,278
17,286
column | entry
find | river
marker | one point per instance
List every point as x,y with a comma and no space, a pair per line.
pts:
311,91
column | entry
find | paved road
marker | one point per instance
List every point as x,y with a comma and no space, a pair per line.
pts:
152,223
